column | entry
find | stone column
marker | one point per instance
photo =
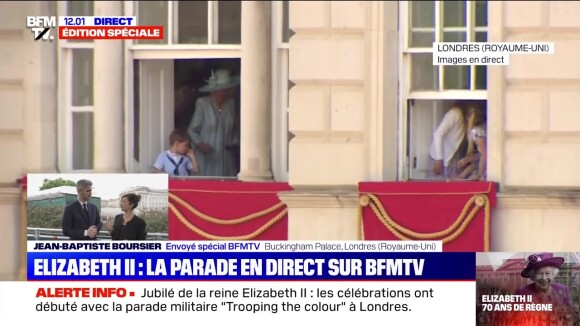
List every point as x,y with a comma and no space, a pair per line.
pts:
108,97
23,272
330,66
255,87
40,90
322,214
13,258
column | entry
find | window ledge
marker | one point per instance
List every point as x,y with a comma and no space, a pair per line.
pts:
169,47
174,52
333,197
539,198
343,197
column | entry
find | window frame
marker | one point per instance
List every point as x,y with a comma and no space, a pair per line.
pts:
174,50
212,22
280,93
168,51
66,109
405,70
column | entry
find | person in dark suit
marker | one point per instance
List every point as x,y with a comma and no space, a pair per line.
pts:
81,220
128,226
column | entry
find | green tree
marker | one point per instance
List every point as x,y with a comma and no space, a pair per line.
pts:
156,220
49,184
45,217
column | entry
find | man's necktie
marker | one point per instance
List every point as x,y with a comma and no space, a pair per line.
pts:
85,209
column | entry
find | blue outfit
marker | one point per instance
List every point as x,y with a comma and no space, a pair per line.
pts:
173,164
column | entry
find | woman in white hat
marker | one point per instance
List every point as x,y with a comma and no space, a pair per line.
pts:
212,128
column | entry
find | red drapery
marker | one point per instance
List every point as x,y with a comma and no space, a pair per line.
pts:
459,212
226,210
23,183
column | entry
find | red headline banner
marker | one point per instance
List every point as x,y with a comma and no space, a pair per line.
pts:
110,32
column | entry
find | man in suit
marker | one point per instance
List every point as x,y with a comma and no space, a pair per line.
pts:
81,220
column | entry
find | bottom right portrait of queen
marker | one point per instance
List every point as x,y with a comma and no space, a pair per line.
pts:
526,288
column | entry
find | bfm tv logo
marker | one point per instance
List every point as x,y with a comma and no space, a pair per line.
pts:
41,27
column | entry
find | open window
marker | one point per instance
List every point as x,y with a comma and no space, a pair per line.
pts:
428,91
200,37
154,113
192,75
166,91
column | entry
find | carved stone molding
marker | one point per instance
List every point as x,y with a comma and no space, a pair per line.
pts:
320,198
9,195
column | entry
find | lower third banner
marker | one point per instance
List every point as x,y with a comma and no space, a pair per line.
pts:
163,285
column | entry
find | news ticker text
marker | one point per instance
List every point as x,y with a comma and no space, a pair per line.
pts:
147,303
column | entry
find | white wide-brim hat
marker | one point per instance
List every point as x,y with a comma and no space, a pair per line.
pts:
220,80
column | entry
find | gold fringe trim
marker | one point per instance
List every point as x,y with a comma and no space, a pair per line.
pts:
219,221
468,213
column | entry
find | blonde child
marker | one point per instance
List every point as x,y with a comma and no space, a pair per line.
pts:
474,162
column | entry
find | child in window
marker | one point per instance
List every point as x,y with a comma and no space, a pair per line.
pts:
474,162
179,160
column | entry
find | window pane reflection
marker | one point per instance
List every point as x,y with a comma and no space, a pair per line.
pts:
82,77
153,13
481,71
422,26
83,142
481,37
422,39
480,77
454,13
456,77
230,22
80,8
454,37
481,13
422,14
424,74
192,22
286,31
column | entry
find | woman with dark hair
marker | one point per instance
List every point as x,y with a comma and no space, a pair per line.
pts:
128,226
